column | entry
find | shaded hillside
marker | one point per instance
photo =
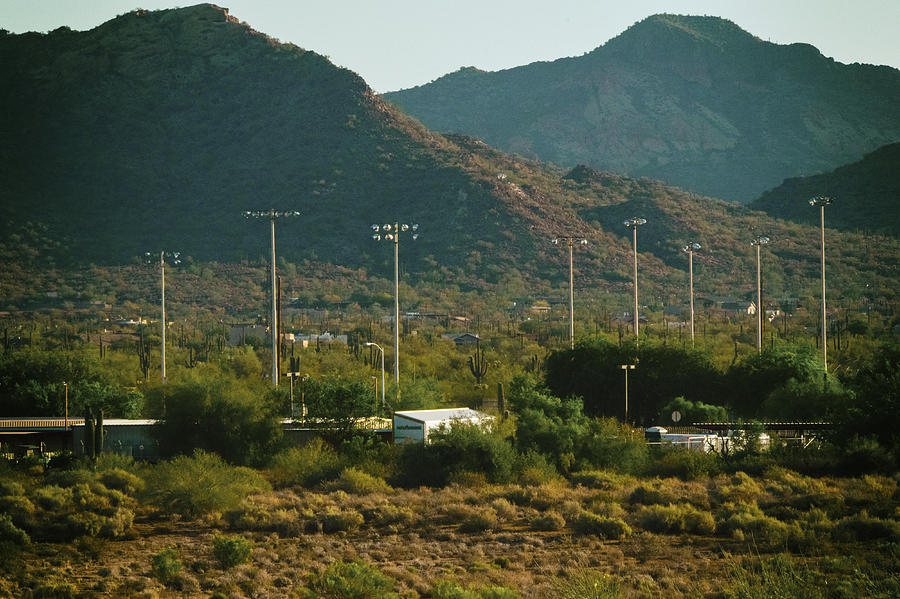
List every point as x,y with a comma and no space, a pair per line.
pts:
866,195
158,129
694,101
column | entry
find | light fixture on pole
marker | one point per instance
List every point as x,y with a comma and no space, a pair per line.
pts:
570,242
176,259
758,241
690,249
381,350
272,214
821,202
634,223
391,232
626,368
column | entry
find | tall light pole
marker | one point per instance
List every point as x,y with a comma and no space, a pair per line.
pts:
634,223
391,232
571,241
758,241
176,259
690,249
272,214
381,350
626,368
821,202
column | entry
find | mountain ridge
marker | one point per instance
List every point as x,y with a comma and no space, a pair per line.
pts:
728,116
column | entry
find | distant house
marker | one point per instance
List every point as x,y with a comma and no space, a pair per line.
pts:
462,338
739,308
626,318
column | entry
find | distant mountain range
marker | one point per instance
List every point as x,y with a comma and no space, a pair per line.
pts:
157,130
866,195
694,101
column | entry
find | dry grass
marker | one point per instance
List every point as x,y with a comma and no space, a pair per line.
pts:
522,537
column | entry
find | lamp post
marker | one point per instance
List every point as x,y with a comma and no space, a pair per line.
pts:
626,368
758,241
821,202
381,350
176,259
690,249
391,232
571,241
272,214
634,223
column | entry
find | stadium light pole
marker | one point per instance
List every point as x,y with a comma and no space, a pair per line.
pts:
758,241
570,242
690,249
821,202
634,223
626,368
381,350
391,232
176,259
272,214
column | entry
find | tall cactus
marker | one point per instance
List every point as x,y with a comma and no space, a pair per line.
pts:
501,401
477,364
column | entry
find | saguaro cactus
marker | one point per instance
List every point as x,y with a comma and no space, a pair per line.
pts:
477,364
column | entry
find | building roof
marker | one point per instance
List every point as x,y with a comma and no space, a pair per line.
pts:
442,415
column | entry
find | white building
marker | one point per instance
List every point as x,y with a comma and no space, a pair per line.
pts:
413,426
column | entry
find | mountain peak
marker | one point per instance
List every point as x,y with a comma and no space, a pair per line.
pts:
668,33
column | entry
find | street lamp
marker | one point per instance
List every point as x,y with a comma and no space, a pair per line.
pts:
272,214
626,368
176,259
571,241
690,249
381,350
391,232
634,223
758,241
821,202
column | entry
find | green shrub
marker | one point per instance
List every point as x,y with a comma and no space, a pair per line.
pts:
651,495
52,497
387,515
358,482
479,521
11,488
336,520
10,533
166,566
862,527
17,507
676,519
548,521
503,508
740,486
605,480
777,576
53,590
686,464
122,481
307,466
356,580
200,484
608,528
447,589
746,521
231,551
586,584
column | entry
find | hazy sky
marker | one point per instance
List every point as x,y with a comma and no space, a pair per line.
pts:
397,44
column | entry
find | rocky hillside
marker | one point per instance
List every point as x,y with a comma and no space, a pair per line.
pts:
157,130
866,195
694,101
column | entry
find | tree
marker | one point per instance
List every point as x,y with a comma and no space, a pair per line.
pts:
593,371
339,403
752,380
218,415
